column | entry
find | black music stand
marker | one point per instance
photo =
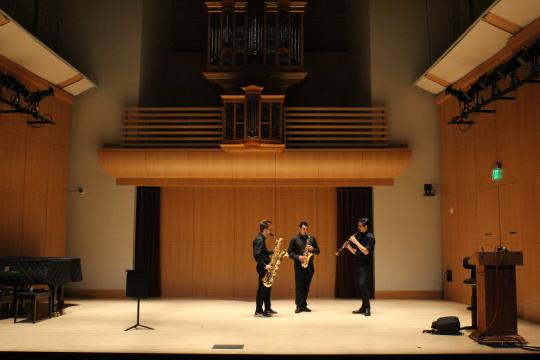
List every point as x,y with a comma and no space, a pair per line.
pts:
138,286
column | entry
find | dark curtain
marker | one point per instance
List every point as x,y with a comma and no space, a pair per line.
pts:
352,204
147,236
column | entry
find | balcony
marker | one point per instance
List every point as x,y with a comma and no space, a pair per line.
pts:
316,146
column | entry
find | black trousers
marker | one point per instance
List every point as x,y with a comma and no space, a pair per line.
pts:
361,273
302,279
263,293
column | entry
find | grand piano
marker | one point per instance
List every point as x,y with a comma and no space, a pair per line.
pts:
56,272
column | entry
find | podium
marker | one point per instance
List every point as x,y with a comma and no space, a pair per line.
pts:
496,294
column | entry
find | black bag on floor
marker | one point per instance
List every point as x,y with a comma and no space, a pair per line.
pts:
447,325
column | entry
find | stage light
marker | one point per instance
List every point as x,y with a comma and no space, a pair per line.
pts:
11,83
20,100
524,59
483,82
461,120
521,57
473,91
37,96
459,94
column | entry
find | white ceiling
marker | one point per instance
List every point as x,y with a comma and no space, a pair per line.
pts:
21,47
481,41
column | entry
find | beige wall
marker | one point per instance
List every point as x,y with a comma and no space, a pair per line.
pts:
407,224
102,39
101,223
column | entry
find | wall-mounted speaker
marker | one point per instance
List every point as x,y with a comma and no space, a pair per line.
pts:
428,190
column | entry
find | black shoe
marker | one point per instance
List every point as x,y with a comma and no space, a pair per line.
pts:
298,310
306,309
359,311
367,312
271,311
262,314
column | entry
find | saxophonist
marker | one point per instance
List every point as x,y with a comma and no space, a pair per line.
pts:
301,249
262,257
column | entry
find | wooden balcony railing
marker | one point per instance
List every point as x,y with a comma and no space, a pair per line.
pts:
194,127
335,127
305,127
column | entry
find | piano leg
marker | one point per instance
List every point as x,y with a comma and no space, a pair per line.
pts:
54,299
61,299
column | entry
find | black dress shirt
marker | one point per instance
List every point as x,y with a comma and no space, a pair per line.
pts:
297,247
260,252
368,241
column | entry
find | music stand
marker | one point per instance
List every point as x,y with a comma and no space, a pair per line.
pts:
138,286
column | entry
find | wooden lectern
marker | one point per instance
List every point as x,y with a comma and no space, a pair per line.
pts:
496,293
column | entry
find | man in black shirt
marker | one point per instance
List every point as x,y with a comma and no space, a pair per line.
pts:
302,276
262,257
362,245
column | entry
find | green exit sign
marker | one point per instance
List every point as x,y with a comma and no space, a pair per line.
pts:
497,172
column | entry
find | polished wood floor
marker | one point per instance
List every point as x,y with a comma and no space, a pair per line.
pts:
194,326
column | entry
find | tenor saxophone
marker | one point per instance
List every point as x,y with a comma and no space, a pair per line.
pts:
278,254
307,254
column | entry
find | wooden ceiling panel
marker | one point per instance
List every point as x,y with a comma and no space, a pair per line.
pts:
521,12
500,27
482,42
22,48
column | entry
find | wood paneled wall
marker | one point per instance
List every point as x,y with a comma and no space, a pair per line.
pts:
207,234
478,212
33,179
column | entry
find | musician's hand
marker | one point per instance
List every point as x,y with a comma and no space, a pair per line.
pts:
301,258
309,248
269,267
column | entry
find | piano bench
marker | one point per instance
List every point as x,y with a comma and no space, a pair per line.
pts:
6,298
34,296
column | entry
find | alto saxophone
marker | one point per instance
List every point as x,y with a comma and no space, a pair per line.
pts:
278,254
307,254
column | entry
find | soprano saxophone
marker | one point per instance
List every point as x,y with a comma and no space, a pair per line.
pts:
307,254
278,254
340,250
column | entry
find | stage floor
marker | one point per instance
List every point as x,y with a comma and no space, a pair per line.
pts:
194,326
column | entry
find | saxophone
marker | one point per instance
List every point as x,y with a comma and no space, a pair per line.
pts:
340,250
307,254
278,254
